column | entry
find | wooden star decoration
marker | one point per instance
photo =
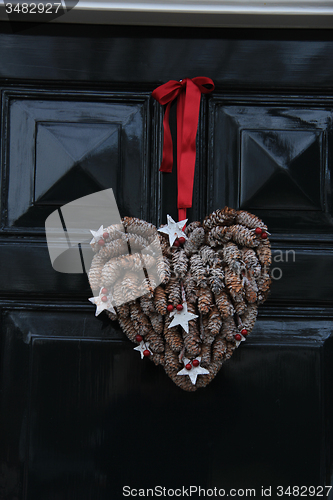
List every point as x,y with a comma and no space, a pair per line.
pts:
97,235
143,346
240,341
102,305
194,371
174,229
182,317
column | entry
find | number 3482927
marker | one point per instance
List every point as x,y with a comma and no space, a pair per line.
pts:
32,8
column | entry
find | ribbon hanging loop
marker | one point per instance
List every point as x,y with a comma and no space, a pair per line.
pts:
188,94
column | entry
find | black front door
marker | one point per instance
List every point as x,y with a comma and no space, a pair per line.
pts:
82,416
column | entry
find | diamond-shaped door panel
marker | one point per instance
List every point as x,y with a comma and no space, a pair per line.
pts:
61,150
72,158
273,160
281,170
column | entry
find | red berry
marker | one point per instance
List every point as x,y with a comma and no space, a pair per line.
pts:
244,332
179,307
170,308
101,243
105,235
139,338
258,230
104,291
181,240
264,235
195,363
238,337
176,243
146,353
188,366
104,299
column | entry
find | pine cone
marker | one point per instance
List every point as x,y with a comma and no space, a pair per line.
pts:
214,321
205,355
160,301
111,272
192,341
264,281
240,304
249,318
172,360
156,343
113,249
251,289
264,254
223,217
95,272
209,256
173,291
180,263
194,241
219,235
147,305
243,236
140,227
216,279
224,305
219,348
128,328
251,261
148,286
172,336
157,323
123,310
198,270
165,247
190,289
205,300
191,227
229,329
130,286
231,346
232,255
118,295
249,220
233,282
163,270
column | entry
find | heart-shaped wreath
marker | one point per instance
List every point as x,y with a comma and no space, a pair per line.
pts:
190,305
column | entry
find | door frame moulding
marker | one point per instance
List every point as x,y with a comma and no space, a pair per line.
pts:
199,13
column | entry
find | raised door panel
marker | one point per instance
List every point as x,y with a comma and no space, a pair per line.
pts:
60,146
271,155
84,416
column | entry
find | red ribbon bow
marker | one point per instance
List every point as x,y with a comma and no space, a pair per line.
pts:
189,93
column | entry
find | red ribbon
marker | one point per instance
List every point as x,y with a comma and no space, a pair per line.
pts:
188,92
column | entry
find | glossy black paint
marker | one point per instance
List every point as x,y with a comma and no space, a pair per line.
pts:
82,416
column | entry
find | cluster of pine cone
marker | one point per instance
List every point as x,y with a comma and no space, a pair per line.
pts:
222,269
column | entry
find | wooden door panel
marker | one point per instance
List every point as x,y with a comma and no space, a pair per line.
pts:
272,155
63,146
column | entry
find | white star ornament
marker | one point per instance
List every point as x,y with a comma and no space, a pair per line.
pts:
97,235
194,372
101,305
174,229
182,317
142,347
